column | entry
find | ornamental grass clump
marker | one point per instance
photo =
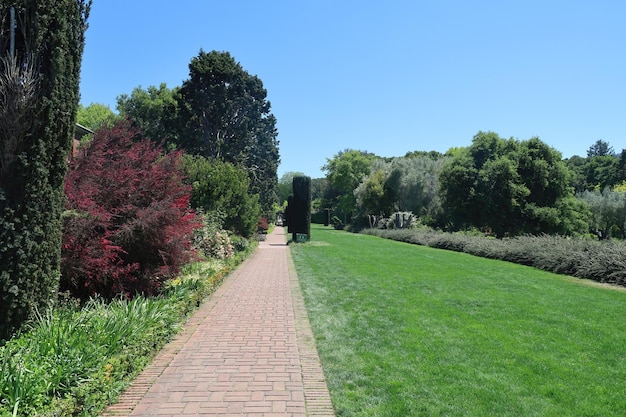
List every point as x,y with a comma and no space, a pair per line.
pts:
71,359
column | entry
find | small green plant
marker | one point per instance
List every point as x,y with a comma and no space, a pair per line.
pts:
337,223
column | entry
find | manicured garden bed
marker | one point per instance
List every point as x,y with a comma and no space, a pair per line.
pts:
75,360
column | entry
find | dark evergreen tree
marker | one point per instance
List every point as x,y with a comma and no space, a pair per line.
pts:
621,167
41,48
600,148
224,114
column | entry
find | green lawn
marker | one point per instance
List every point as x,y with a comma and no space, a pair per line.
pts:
406,330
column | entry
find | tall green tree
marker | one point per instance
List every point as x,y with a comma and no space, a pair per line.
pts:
600,148
285,185
601,171
508,186
608,212
40,60
95,116
225,115
374,196
621,167
576,167
457,182
344,173
414,181
153,111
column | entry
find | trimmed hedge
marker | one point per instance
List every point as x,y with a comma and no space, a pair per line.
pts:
602,261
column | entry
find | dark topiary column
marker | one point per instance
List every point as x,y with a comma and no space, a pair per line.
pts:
299,208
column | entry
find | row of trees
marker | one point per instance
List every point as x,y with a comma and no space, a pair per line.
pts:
220,117
501,186
220,113
602,168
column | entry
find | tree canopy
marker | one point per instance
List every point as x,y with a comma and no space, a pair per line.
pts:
220,112
224,114
403,184
506,185
153,110
600,148
344,173
95,116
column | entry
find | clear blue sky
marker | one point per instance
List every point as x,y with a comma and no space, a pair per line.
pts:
384,77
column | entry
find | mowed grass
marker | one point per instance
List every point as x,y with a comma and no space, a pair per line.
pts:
405,330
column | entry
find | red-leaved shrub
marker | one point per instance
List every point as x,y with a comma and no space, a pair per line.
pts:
127,224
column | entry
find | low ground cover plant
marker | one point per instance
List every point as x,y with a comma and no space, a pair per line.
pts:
602,261
408,330
74,360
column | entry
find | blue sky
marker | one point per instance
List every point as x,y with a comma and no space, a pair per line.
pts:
384,77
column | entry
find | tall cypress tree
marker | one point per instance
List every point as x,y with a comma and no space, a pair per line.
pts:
41,49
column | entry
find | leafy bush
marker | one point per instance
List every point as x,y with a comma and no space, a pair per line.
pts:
225,188
240,244
127,227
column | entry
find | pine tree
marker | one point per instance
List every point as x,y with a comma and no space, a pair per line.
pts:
40,57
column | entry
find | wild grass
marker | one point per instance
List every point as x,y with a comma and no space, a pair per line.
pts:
406,330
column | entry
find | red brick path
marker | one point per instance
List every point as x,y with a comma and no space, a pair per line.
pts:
248,351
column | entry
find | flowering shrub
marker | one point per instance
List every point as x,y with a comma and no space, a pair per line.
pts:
127,225
211,241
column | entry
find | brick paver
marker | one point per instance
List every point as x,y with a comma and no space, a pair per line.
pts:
248,351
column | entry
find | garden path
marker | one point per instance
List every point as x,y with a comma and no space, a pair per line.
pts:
247,351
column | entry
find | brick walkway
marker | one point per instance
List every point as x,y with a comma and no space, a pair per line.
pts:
248,351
